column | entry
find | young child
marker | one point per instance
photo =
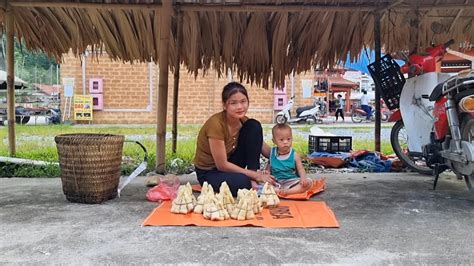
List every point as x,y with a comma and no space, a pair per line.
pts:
285,164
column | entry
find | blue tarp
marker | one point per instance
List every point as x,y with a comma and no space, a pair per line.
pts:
342,155
371,162
366,57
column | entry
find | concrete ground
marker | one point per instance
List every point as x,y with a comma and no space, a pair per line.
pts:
384,219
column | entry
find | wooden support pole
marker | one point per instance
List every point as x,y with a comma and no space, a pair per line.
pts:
179,40
378,48
9,23
414,31
165,26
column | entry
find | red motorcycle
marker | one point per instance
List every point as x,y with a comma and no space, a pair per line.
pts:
358,114
434,126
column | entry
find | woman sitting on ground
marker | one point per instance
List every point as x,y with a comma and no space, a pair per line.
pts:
229,145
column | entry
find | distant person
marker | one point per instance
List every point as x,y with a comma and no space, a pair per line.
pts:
364,104
339,107
285,164
316,89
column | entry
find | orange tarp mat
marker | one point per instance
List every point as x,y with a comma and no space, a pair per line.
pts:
318,186
289,214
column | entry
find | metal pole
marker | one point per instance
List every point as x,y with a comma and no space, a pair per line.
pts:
179,37
165,25
84,59
9,23
377,47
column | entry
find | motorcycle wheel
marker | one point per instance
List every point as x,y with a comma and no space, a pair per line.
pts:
399,141
467,134
22,121
280,119
356,117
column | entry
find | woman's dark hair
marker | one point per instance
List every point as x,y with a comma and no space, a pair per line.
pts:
231,89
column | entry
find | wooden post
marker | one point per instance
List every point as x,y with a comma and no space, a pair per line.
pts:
414,33
9,23
179,40
165,26
377,47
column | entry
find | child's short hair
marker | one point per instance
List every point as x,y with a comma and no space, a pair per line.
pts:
280,127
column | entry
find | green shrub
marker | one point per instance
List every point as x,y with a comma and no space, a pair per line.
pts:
17,170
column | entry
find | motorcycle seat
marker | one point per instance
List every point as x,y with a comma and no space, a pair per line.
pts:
299,110
463,90
437,92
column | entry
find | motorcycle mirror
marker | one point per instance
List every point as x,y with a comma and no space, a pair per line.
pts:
403,56
448,43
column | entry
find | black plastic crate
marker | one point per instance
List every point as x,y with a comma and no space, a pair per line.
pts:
329,144
389,80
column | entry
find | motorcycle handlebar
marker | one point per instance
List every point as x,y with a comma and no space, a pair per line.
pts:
448,43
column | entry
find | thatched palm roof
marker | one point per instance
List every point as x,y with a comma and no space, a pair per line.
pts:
261,40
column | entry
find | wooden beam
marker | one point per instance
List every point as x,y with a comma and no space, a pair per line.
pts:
315,8
247,7
179,40
378,53
51,4
456,18
414,30
9,24
165,27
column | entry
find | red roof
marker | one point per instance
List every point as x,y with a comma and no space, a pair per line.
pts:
341,82
48,89
450,57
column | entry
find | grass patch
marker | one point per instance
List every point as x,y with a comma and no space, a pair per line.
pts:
14,170
37,143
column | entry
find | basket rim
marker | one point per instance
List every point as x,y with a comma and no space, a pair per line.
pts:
93,138
89,134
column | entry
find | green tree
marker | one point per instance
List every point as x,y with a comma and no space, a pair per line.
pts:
31,66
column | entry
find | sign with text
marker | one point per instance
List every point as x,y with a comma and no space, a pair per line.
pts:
82,107
68,85
306,84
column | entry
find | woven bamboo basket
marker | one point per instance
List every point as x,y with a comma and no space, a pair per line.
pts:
90,166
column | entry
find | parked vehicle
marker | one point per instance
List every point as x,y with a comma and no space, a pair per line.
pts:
358,114
23,115
305,115
435,119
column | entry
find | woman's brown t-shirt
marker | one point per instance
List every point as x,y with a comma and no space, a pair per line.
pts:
215,128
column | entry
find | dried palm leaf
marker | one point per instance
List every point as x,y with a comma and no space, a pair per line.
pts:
280,43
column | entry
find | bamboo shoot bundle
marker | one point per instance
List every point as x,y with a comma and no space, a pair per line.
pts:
242,193
225,197
183,203
189,191
243,210
206,189
255,202
214,210
269,197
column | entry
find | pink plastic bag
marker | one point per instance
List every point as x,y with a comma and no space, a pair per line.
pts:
165,190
